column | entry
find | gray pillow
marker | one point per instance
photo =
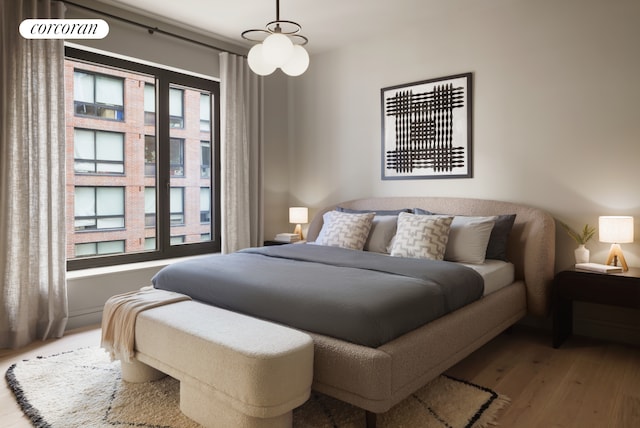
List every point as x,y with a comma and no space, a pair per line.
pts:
497,246
382,231
378,212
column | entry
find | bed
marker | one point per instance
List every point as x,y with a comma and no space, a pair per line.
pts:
378,371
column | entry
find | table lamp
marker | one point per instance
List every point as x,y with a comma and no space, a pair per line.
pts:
298,216
616,230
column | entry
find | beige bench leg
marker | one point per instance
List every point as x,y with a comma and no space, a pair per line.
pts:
137,372
204,408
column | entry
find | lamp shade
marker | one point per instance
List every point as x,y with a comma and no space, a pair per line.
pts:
277,49
257,63
298,63
615,229
298,215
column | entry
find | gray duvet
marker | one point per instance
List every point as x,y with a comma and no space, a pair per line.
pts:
357,296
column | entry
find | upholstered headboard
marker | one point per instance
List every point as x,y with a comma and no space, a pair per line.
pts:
531,246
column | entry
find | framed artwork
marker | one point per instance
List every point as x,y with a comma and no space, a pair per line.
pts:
426,129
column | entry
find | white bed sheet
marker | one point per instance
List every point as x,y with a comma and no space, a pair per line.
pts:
496,274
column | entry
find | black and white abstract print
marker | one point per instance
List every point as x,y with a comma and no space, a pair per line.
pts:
426,129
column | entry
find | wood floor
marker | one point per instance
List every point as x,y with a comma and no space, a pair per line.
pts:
585,383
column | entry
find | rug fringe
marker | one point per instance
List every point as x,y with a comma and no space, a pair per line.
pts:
489,416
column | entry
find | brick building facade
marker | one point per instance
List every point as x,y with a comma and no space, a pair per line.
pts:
132,173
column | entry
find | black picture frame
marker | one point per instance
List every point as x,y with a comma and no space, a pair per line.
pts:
427,129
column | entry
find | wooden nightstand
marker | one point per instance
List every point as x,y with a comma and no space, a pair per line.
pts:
268,243
617,289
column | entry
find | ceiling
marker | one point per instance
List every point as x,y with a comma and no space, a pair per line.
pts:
328,24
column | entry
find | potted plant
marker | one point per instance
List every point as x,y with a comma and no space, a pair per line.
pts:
581,238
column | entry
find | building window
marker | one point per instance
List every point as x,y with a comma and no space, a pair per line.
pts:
98,95
205,159
150,243
205,205
205,112
98,208
149,104
177,206
98,152
176,115
176,157
150,155
176,240
150,207
88,249
153,203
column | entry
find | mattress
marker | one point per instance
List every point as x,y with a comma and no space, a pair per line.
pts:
496,274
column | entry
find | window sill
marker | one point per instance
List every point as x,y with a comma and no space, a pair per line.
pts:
108,270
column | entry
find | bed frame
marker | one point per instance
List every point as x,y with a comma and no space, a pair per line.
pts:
377,379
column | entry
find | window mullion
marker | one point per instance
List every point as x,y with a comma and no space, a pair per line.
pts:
163,160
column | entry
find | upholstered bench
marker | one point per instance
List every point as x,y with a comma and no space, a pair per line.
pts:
234,370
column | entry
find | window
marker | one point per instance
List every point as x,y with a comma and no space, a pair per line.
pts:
176,157
205,205
98,152
205,159
98,95
99,208
205,112
176,240
99,248
150,155
149,104
153,205
177,206
176,118
150,207
149,243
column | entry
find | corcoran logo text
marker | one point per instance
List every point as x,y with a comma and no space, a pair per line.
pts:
64,29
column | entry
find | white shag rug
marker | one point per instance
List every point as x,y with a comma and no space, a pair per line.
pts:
83,388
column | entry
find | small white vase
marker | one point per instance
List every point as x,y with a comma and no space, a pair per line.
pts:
582,254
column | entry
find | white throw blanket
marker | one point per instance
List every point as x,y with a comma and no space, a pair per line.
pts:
119,318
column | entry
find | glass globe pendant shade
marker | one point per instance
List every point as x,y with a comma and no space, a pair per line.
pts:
277,49
298,63
256,62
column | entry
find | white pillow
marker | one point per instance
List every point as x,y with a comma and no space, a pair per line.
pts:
468,239
382,231
345,230
421,236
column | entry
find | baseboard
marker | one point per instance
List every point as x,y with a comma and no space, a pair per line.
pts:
84,318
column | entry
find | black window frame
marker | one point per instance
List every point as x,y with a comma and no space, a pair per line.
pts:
164,80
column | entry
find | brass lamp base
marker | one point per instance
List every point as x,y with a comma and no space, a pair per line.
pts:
298,231
615,254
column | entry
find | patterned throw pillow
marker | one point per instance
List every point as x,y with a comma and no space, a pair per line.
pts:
421,236
345,230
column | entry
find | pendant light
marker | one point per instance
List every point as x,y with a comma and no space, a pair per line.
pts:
279,46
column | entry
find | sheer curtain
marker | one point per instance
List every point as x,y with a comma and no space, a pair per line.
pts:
241,154
33,302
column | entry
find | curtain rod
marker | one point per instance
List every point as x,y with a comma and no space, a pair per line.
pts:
151,30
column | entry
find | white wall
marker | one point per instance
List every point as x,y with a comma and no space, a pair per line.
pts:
556,110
